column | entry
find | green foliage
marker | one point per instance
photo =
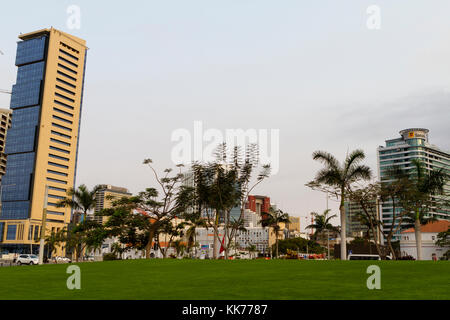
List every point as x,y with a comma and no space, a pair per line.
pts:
109,256
322,224
443,238
299,245
358,240
80,199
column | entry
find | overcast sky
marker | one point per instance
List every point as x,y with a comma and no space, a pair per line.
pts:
312,69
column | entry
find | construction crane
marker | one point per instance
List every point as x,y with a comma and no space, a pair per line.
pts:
5,91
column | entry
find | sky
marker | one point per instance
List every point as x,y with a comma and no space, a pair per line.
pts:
312,69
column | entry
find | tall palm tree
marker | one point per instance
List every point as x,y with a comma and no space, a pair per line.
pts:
322,224
340,177
81,199
424,187
272,219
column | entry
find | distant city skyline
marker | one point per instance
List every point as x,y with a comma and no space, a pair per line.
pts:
312,70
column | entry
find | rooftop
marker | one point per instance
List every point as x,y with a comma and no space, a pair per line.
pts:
435,227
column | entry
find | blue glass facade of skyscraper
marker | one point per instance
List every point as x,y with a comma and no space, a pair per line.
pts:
20,145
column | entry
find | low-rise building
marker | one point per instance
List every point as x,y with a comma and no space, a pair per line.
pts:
429,236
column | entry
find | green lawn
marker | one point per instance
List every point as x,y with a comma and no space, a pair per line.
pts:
206,279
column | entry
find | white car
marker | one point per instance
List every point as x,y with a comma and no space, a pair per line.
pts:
27,259
62,260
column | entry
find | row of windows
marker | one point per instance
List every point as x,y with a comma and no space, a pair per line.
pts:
57,189
66,83
68,54
60,150
56,197
65,90
60,142
67,68
57,157
56,180
63,112
61,127
57,173
63,104
69,47
60,134
62,119
66,75
64,97
67,61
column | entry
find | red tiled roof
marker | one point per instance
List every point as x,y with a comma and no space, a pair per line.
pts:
436,226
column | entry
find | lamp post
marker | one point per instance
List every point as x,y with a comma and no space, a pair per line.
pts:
44,220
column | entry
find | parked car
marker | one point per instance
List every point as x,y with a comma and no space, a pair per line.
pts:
27,259
62,260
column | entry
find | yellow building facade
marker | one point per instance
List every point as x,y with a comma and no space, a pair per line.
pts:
42,144
5,124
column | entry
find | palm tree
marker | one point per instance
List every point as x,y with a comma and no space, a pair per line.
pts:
251,249
179,247
272,219
53,240
424,186
81,199
237,225
339,178
117,249
191,232
322,224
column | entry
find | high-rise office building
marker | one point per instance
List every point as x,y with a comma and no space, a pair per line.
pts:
42,143
413,143
5,124
354,227
105,197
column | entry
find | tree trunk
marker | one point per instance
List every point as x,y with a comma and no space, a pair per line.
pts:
149,245
377,245
328,244
390,248
215,242
276,243
418,235
343,230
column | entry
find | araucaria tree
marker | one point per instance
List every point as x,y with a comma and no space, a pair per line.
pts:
338,179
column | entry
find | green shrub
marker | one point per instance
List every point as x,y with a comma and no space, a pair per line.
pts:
109,256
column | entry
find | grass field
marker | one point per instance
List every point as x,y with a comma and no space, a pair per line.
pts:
207,279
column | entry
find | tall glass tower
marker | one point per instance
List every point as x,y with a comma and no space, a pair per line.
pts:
42,144
412,144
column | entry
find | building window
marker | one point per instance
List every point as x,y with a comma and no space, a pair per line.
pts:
11,232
